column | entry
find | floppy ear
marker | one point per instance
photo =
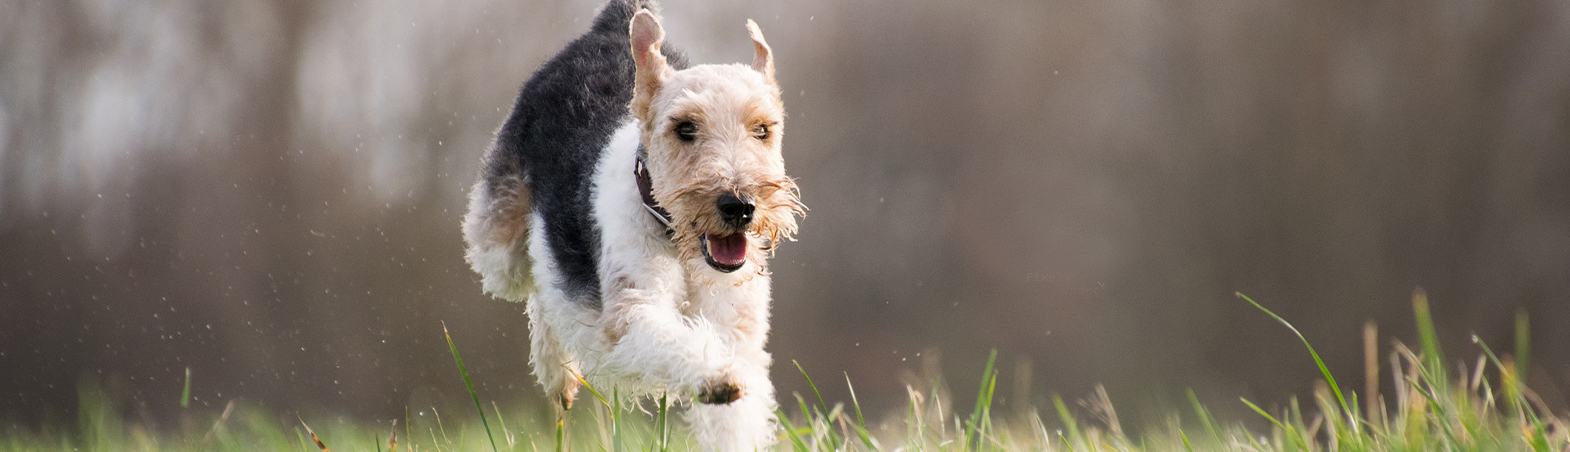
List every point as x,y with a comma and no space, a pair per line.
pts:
762,57
646,36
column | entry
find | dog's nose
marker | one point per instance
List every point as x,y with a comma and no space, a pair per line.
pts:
735,211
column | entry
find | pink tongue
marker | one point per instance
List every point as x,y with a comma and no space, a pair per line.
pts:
728,250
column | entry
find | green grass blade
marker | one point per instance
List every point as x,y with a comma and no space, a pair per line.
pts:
1205,418
1069,422
616,429
1426,336
1428,391
561,433
807,412
790,432
1523,342
1488,352
506,433
1331,379
989,380
440,426
822,407
1514,396
595,392
185,395
861,422
661,424
470,384
1066,443
1285,430
986,412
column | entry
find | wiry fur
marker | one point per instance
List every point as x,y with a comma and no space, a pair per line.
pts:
615,297
495,231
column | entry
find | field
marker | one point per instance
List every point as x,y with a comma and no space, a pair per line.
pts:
1437,405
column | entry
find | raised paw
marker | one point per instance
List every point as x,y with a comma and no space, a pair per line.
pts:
720,393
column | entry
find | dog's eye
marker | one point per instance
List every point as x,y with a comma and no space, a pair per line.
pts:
760,131
687,131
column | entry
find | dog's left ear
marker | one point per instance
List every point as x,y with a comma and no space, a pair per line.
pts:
762,57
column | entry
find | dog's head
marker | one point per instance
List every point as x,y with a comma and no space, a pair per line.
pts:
713,133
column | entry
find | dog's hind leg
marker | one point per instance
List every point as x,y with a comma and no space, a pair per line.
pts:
557,370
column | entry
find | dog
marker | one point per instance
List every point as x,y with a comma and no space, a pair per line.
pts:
633,200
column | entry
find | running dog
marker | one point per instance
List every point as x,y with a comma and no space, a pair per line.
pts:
633,200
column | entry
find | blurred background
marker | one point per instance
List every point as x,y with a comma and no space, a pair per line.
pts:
269,192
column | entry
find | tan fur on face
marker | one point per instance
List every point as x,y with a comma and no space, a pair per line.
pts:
726,103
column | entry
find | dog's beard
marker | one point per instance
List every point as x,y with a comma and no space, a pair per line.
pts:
705,239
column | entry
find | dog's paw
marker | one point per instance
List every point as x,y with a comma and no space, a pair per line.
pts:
719,393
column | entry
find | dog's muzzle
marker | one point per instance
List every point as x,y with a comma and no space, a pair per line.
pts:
728,252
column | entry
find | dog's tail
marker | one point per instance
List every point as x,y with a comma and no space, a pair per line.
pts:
616,16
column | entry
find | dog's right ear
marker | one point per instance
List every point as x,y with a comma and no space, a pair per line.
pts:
646,36
762,56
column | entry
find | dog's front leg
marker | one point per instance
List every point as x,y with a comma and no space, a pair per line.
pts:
739,310
746,424
654,344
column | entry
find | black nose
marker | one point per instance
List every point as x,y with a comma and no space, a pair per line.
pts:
735,211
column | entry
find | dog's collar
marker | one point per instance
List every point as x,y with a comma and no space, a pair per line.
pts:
646,191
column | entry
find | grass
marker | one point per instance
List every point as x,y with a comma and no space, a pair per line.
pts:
1432,408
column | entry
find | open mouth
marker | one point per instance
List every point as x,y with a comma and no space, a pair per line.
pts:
726,253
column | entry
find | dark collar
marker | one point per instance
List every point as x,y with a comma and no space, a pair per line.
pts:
646,191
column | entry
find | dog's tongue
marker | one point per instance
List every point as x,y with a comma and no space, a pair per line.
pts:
728,249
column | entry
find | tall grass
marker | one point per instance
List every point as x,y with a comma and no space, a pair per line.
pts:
1429,407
